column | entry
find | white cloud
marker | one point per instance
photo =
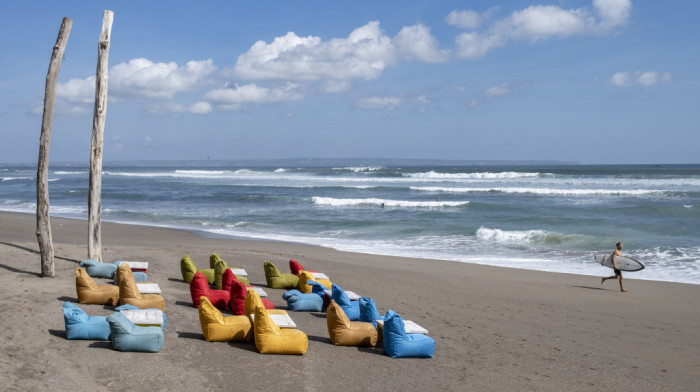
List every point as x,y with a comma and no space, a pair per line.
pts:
386,103
252,93
416,42
621,79
539,22
173,107
612,12
642,78
473,45
496,91
138,78
77,91
363,54
143,78
468,19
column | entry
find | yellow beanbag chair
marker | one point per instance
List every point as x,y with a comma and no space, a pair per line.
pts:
90,292
305,276
344,332
253,300
217,328
271,339
129,293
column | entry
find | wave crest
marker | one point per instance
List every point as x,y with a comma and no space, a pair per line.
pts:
476,176
334,202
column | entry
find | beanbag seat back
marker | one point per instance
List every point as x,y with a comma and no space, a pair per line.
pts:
296,267
300,302
239,292
90,292
351,308
81,326
96,269
369,312
188,269
126,336
220,267
139,276
199,287
277,280
399,344
132,307
217,328
271,339
306,276
344,332
253,300
129,292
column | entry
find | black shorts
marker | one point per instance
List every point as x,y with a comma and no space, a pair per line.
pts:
617,271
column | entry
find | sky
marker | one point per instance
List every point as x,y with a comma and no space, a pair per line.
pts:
594,82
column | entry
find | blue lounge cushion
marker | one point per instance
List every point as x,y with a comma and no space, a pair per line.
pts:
132,307
351,308
369,312
128,337
81,326
399,344
300,302
96,269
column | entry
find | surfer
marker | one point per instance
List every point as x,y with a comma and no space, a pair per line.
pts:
618,273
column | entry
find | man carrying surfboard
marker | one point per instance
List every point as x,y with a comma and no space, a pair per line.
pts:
618,273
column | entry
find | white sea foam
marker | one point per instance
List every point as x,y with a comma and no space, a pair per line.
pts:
479,176
280,170
16,178
359,169
64,173
542,191
334,202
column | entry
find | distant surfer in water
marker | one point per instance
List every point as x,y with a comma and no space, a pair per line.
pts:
618,273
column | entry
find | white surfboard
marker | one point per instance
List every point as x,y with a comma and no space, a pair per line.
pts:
624,263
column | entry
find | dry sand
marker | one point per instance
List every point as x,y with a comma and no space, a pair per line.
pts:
495,328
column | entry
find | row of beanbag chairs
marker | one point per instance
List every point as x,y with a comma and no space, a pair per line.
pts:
127,292
214,274
353,323
254,323
125,335
117,328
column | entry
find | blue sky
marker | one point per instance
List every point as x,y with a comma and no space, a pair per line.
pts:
604,81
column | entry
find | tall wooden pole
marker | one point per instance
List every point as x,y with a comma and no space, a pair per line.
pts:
98,126
43,221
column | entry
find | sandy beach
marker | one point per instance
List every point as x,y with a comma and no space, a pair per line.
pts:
495,328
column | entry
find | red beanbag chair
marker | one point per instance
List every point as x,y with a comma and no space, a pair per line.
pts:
238,294
226,279
200,287
295,267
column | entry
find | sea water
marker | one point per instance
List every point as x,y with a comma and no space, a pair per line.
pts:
549,218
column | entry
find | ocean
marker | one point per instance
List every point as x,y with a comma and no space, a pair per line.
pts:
540,217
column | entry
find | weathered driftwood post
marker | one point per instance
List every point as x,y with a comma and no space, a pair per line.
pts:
43,222
98,126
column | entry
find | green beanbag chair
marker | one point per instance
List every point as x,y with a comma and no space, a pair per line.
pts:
277,280
220,266
188,269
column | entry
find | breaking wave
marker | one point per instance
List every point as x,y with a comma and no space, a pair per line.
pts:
334,202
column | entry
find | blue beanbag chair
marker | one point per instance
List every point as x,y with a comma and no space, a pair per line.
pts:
369,312
399,344
300,302
138,275
128,337
132,307
99,270
81,326
351,308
